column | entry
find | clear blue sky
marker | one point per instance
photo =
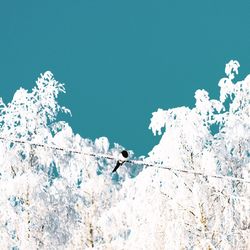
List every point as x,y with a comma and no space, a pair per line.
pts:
122,59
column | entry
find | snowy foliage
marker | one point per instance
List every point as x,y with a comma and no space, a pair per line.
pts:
58,199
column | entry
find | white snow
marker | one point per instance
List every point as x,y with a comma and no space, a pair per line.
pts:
55,199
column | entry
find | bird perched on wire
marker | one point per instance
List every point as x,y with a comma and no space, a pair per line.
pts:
122,158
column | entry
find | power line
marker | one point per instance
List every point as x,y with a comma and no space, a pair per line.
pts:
134,162
231,178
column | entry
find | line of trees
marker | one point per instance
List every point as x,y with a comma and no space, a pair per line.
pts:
54,199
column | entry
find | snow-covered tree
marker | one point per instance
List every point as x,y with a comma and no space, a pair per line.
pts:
197,211
57,190
206,205
51,197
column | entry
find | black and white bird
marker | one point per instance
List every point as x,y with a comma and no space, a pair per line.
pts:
122,158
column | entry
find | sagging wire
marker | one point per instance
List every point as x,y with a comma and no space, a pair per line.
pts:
134,162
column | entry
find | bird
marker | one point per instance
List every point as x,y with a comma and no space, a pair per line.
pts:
122,158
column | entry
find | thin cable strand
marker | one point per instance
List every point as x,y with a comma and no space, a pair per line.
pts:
134,162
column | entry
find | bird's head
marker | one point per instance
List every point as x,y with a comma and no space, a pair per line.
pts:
123,156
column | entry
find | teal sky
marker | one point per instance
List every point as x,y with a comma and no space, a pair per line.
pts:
121,60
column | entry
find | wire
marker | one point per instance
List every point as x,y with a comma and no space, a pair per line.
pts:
135,162
194,172
107,156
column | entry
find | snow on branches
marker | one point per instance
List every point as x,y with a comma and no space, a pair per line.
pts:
57,199
213,137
